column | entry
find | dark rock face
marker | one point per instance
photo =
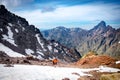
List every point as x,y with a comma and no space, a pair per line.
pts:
19,36
101,39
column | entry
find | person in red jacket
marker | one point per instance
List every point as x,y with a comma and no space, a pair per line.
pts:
55,61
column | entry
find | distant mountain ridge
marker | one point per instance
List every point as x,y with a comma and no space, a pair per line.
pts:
66,36
18,38
101,39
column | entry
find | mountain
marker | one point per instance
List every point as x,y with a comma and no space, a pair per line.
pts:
18,38
102,39
70,37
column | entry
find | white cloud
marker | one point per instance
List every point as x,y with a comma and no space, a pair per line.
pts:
72,14
14,3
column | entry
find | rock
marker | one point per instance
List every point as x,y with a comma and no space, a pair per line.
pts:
26,61
66,79
114,76
8,65
93,60
74,73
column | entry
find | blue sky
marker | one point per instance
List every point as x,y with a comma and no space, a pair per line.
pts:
85,14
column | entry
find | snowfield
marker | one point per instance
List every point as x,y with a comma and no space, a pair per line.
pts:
117,62
34,72
29,51
9,51
9,37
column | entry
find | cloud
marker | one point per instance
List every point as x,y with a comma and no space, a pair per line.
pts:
15,3
71,15
48,9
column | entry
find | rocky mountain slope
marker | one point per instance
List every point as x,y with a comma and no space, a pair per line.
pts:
102,39
68,36
18,38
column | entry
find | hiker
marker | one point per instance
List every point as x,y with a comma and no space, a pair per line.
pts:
55,61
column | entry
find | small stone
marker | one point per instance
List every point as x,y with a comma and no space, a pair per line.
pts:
66,79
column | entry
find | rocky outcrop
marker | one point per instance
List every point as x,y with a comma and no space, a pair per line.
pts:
92,60
17,35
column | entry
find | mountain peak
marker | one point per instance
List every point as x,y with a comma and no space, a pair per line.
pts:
102,24
2,9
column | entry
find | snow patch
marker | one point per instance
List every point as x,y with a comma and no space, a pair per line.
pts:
16,30
9,24
34,72
18,22
56,44
40,57
10,52
107,69
1,29
119,42
40,52
49,47
29,51
55,50
117,62
23,28
37,35
10,33
51,58
38,73
9,38
44,49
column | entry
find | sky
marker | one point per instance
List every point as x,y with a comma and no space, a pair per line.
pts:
47,14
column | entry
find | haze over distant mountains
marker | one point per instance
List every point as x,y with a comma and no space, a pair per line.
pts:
103,39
